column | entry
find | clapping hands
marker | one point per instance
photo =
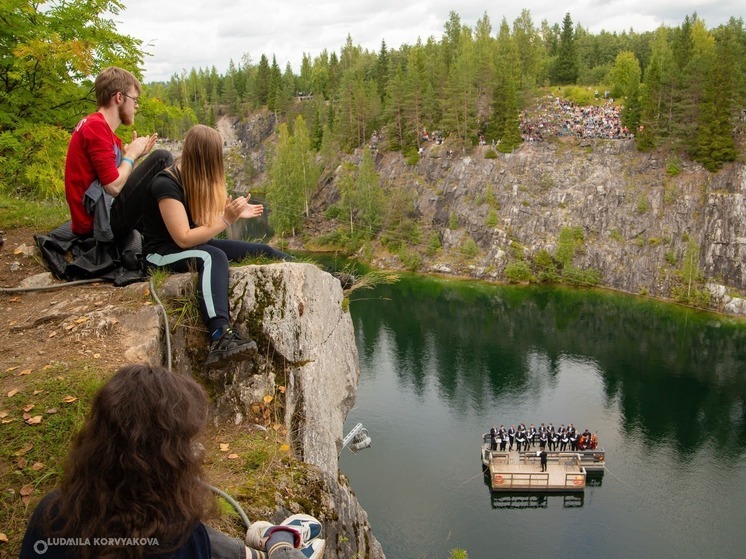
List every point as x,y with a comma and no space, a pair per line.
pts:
237,208
140,146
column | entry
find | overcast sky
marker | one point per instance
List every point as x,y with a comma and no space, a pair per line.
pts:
185,34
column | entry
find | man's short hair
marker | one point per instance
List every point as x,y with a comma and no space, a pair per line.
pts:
111,81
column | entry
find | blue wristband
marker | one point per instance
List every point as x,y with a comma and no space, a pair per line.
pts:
128,160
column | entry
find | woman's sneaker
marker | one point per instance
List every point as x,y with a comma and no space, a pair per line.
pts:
229,347
304,526
307,525
313,549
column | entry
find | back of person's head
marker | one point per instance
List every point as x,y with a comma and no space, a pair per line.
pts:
132,468
202,173
111,81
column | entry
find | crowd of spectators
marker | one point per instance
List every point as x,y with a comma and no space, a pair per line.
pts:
559,117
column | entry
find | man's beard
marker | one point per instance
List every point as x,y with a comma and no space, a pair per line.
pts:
127,119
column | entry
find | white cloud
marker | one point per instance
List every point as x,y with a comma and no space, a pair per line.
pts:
185,34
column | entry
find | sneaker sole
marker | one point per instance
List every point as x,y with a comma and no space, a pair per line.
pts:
238,354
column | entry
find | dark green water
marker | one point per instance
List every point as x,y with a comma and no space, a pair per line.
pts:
663,386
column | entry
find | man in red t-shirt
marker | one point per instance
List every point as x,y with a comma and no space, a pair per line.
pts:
95,154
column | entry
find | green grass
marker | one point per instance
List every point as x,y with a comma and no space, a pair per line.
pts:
32,456
42,215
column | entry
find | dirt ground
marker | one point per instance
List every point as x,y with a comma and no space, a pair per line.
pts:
63,326
44,333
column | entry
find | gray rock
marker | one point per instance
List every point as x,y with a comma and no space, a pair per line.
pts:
306,342
44,279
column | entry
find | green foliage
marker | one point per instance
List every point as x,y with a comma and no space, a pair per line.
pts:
578,277
399,220
517,250
51,51
433,244
547,269
565,68
285,190
625,75
333,212
569,240
293,177
491,221
578,95
490,154
411,157
30,159
691,289
471,81
458,554
453,222
410,259
673,166
368,194
490,198
518,272
616,235
362,196
339,240
469,248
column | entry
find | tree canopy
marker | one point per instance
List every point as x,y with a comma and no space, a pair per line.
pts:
682,87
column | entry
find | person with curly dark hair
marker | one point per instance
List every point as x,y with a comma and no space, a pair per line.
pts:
133,484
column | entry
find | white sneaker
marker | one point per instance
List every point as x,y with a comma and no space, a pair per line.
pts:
304,526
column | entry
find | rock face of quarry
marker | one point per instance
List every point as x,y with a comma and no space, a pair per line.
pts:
651,223
295,313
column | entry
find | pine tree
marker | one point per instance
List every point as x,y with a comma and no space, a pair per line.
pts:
657,93
714,143
418,98
565,70
528,42
505,125
274,92
484,70
459,104
394,114
382,70
261,85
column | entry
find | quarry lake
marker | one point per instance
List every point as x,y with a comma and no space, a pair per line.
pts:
662,386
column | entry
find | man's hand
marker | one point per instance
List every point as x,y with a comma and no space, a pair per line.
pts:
139,146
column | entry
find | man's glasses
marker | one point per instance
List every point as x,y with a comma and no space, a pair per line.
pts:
134,99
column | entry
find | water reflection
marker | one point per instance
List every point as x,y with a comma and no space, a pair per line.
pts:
677,375
536,500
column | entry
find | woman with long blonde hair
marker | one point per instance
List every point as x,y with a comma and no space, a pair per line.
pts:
185,207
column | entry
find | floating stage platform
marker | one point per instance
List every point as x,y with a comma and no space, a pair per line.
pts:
521,471
566,474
